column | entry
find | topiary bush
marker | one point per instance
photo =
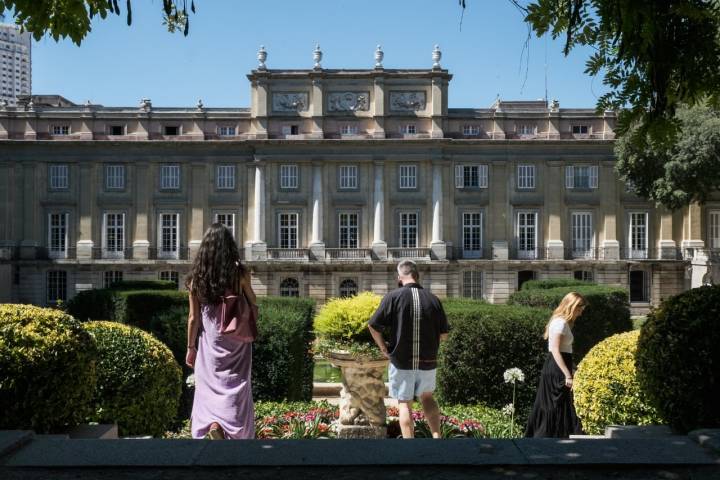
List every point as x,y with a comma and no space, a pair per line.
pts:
484,341
138,380
342,324
607,313
678,359
47,369
92,304
555,283
138,307
606,388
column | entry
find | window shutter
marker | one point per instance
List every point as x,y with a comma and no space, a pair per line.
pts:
483,176
594,176
569,177
459,178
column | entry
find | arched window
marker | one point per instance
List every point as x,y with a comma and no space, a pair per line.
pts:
348,288
289,288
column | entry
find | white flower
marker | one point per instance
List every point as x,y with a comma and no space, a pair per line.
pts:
508,409
190,381
513,375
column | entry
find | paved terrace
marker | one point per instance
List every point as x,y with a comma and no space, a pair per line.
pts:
24,455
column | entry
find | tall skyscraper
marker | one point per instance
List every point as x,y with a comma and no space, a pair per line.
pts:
15,63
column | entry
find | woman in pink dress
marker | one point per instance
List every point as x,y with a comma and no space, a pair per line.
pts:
223,404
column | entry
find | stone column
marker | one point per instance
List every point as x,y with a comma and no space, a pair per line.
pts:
316,109
259,107
317,244
144,187
437,113
198,199
86,210
693,245
379,245
32,221
499,215
379,108
554,187
608,184
438,246
666,244
256,249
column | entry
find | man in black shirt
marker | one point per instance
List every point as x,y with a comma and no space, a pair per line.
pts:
416,322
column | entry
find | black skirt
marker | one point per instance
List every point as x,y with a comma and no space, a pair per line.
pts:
553,414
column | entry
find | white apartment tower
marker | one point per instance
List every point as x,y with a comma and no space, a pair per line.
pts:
15,63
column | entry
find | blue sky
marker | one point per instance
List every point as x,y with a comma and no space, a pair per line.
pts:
117,65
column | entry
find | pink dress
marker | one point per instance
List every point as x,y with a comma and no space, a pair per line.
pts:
223,393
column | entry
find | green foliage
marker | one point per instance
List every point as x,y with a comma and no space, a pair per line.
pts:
93,304
554,283
341,324
282,353
607,313
139,382
139,307
47,369
144,285
678,359
606,388
496,424
484,341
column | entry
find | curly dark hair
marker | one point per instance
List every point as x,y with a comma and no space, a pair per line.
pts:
216,267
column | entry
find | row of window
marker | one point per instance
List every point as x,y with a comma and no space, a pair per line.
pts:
466,176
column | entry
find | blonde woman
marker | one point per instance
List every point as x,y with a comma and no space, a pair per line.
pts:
553,414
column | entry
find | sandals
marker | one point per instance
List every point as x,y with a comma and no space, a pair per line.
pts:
215,433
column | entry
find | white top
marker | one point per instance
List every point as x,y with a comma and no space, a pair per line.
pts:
558,326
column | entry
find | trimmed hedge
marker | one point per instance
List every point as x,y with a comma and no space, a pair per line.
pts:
138,307
484,341
93,304
555,283
606,388
346,319
144,285
138,385
678,359
607,313
47,369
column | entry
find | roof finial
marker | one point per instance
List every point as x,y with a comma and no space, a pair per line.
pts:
436,56
379,55
317,56
262,56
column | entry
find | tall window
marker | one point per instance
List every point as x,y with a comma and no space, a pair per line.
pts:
288,230
526,129
581,176
59,177
638,235
348,288
61,130
348,230
408,129
288,176
472,235
169,235
57,235
170,276
639,286
112,276
408,176
471,176
471,130
582,234
56,286
526,176
115,177
227,219
472,284
114,230
527,234
348,176
170,177
408,230
225,177
226,131
714,230
289,288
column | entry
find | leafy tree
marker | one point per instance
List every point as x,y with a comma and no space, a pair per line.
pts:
72,18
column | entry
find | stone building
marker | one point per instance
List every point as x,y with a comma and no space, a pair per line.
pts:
326,181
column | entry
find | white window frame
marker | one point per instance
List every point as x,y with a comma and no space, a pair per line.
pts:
348,177
227,219
289,176
227,131
471,130
60,130
59,176
526,129
714,229
637,245
289,291
60,287
162,252
169,276
225,177
291,225
346,229
464,176
472,284
345,291
112,276
579,127
114,248
582,234
408,129
115,177
406,240
62,226
349,129
407,176
573,175
522,238
472,230
170,177
526,177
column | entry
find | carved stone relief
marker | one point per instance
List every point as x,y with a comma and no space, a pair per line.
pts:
407,101
348,101
290,102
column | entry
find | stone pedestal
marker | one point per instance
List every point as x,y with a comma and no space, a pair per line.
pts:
255,251
193,246
439,250
500,250
555,250
141,249
84,249
361,431
317,251
610,250
379,250
668,250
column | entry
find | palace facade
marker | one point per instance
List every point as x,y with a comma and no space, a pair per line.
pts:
326,181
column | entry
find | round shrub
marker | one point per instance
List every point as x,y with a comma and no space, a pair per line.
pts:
484,341
139,382
607,313
342,322
47,369
678,359
606,388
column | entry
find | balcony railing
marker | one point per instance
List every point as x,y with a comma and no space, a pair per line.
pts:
412,253
350,254
461,253
288,254
105,254
665,253
182,253
518,254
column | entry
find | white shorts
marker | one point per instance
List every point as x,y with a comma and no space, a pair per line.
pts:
405,385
